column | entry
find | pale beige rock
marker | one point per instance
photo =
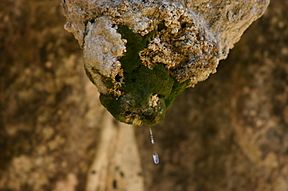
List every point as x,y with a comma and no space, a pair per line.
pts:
198,33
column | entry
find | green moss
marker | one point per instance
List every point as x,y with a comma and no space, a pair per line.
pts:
140,84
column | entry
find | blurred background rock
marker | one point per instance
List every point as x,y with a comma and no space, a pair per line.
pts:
229,133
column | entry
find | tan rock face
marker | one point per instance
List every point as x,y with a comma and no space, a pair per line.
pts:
188,38
227,134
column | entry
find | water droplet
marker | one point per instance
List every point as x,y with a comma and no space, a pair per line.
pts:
155,158
155,155
151,136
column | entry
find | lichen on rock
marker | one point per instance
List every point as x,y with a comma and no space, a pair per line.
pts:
142,54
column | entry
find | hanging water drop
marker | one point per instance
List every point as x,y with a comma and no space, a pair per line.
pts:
155,156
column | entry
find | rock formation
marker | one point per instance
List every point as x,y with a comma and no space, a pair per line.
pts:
142,54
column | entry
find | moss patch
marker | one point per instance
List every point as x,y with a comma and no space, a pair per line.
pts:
140,84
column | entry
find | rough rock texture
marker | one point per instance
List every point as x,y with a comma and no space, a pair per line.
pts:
46,136
125,42
52,126
228,133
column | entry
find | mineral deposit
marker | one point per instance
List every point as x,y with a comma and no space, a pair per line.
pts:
142,54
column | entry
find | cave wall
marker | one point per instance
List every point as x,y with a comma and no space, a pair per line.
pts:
228,133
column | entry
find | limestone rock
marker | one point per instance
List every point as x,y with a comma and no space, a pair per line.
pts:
138,50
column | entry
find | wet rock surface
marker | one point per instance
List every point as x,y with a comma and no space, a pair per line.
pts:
188,38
